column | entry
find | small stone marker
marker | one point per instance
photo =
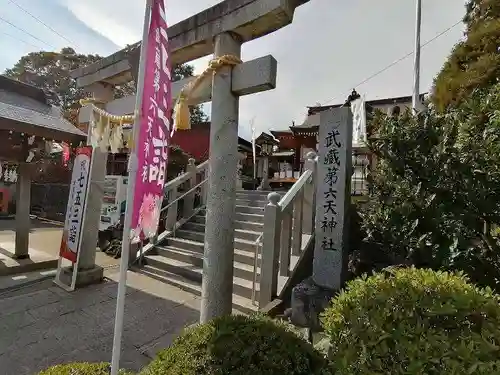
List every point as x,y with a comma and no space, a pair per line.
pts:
333,196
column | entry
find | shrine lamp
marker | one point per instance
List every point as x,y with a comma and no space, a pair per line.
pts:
266,148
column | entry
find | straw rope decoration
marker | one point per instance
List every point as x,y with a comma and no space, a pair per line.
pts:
181,109
106,130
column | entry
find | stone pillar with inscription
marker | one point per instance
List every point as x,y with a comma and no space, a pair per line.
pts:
333,196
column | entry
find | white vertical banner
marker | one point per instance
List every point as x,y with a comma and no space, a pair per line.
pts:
358,108
73,223
253,149
70,241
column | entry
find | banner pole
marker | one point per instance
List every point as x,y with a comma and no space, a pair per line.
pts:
132,169
416,105
253,150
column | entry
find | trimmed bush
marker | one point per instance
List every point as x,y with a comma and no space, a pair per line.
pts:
414,321
81,369
238,345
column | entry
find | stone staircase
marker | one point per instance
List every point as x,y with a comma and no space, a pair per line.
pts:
178,260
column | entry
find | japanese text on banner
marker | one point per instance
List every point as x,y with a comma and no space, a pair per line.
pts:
154,133
76,204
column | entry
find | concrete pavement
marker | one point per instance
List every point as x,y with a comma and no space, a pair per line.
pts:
44,244
42,325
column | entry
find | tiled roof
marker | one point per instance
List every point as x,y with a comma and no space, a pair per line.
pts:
396,100
24,104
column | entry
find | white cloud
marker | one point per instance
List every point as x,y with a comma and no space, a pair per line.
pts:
110,19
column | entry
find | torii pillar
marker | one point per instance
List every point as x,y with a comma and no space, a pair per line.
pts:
220,29
221,196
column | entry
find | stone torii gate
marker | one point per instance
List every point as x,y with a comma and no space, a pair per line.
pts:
221,30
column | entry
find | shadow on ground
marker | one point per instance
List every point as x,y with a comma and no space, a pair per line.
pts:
43,325
10,225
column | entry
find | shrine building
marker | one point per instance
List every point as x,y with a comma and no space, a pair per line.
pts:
287,160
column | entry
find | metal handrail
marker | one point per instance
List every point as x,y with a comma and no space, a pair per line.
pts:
183,195
257,243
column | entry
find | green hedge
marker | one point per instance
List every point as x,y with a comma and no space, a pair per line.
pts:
81,369
238,345
414,321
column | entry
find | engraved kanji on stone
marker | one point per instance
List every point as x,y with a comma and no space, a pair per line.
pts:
330,193
331,177
329,224
329,207
331,139
328,244
332,157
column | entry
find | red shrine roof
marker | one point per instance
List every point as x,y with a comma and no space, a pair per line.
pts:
196,141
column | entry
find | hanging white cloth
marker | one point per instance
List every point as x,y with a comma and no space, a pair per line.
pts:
116,138
253,150
358,109
105,125
94,132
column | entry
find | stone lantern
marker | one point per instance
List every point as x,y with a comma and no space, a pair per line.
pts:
267,144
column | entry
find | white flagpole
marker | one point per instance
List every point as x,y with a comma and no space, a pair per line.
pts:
132,171
253,149
416,105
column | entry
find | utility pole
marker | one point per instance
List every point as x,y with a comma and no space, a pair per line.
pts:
416,105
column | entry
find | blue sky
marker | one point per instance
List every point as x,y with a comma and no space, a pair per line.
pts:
331,46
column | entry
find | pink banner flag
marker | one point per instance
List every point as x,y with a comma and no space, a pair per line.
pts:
154,133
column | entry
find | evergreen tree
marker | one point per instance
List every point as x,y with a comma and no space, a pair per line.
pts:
435,191
50,71
475,61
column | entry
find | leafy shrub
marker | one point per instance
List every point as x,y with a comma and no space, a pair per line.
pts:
238,345
413,321
435,189
81,369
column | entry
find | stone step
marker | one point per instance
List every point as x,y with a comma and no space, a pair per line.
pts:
241,270
199,219
257,199
251,196
240,216
196,232
253,218
199,222
240,256
182,243
241,287
251,202
253,192
250,210
240,305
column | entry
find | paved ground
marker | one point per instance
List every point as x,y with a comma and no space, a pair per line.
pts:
42,325
44,243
